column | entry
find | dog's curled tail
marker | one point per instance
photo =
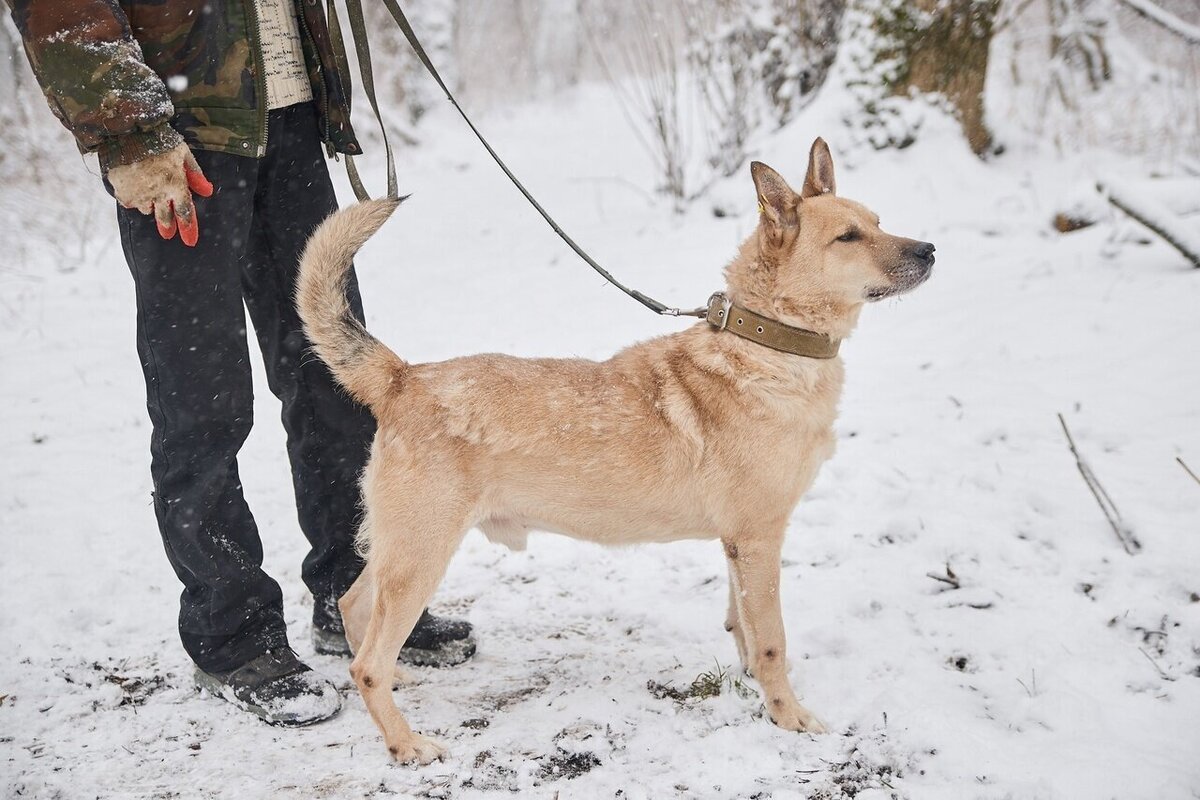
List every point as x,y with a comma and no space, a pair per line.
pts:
362,364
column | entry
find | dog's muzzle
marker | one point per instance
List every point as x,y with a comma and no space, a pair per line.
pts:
913,270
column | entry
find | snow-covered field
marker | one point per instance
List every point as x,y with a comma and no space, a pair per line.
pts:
1057,667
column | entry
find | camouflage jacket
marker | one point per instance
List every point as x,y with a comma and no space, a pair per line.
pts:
133,78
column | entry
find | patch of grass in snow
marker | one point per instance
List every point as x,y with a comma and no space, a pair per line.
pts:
567,765
134,681
487,775
707,684
868,763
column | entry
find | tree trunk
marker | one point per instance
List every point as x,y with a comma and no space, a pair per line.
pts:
941,47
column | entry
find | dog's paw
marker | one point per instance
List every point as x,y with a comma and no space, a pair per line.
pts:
402,677
418,749
795,718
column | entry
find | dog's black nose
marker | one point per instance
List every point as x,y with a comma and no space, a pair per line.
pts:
924,251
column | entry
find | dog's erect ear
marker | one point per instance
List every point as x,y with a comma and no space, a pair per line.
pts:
776,200
819,179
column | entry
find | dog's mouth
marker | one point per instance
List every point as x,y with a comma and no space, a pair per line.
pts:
905,279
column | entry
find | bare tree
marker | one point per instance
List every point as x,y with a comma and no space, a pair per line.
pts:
1102,73
1077,43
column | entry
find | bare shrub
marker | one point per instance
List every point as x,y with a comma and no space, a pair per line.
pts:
644,70
44,183
757,62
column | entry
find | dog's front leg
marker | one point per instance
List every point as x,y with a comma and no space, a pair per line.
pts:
733,622
754,571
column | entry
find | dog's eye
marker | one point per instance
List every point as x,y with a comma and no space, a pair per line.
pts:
850,236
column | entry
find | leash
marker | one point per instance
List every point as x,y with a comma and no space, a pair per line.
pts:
363,51
719,311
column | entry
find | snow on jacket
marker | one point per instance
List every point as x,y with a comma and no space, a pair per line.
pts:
133,78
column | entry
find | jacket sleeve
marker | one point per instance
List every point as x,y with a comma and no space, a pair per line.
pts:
91,70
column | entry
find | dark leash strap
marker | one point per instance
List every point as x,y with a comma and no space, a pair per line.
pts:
362,48
363,51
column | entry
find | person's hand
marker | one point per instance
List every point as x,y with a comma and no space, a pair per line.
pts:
162,185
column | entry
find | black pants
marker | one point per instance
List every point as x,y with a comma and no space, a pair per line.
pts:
191,336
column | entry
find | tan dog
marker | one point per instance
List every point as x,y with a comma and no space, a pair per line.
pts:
701,434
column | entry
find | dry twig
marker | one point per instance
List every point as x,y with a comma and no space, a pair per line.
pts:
950,579
1161,672
1123,532
1187,469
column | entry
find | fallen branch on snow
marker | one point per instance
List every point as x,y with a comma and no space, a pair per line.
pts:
1158,219
1124,534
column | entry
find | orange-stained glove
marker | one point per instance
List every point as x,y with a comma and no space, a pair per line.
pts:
162,185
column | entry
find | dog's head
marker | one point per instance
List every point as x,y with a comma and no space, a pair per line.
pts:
816,250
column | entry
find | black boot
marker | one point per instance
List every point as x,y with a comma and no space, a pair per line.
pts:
434,641
276,686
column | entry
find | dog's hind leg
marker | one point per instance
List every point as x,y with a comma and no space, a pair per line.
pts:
355,606
754,566
406,564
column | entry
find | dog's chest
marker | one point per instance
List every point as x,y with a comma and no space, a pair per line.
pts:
769,458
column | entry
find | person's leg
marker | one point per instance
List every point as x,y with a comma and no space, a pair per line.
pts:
329,435
191,337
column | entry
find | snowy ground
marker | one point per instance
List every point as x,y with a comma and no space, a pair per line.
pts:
1059,668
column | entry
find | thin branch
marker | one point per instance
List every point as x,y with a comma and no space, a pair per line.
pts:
1123,532
1187,469
1162,674
1011,16
1163,18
